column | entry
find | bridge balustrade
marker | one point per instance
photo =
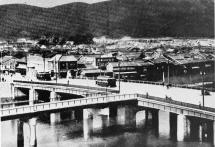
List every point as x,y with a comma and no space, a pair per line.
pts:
176,102
69,85
154,83
65,104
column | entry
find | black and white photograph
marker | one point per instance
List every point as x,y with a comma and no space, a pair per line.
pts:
107,73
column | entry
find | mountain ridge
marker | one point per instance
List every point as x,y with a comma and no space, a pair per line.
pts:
116,18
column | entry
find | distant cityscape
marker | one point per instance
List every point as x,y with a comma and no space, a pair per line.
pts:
169,60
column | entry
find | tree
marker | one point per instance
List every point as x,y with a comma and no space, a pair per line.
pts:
82,39
19,54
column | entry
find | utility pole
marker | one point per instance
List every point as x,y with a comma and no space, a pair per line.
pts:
119,75
168,71
44,62
55,63
202,73
163,74
1,69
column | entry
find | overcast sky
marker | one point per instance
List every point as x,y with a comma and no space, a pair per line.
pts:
45,3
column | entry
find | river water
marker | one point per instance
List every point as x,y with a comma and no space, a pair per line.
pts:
70,133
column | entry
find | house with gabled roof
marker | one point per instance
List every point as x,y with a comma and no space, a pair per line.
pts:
63,65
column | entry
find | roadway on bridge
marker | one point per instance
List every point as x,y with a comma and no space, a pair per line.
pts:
192,96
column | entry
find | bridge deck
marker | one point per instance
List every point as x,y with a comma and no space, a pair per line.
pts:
192,96
59,87
143,100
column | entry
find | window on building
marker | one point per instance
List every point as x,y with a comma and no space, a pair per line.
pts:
71,65
63,65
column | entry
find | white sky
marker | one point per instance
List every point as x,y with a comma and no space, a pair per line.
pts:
45,3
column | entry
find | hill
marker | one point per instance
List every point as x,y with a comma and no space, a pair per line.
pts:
116,18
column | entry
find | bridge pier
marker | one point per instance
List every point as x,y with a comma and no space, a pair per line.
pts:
164,123
126,115
20,133
87,128
213,134
100,117
182,127
54,117
141,118
13,91
72,114
53,96
94,120
33,136
152,115
202,129
33,95
174,126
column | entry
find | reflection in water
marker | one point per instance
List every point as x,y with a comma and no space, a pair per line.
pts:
70,132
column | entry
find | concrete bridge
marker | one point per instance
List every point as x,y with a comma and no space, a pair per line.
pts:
192,96
54,89
181,118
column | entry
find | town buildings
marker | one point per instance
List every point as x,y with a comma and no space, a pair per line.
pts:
162,59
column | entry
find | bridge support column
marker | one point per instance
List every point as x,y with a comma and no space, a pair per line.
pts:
13,92
100,122
33,136
31,96
181,127
87,128
164,123
141,118
53,96
72,115
213,125
126,115
54,117
20,134
187,128
196,129
154,115
100,117
200,132
146,118
94,120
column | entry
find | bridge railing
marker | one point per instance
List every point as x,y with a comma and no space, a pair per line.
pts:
176,102
19,103
91,101
155,83
69,85
170,85
65,104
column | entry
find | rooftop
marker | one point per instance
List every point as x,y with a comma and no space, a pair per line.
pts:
68,58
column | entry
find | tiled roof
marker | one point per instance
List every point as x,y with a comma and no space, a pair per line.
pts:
6,58
184,59
124,64
160,59
68,58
